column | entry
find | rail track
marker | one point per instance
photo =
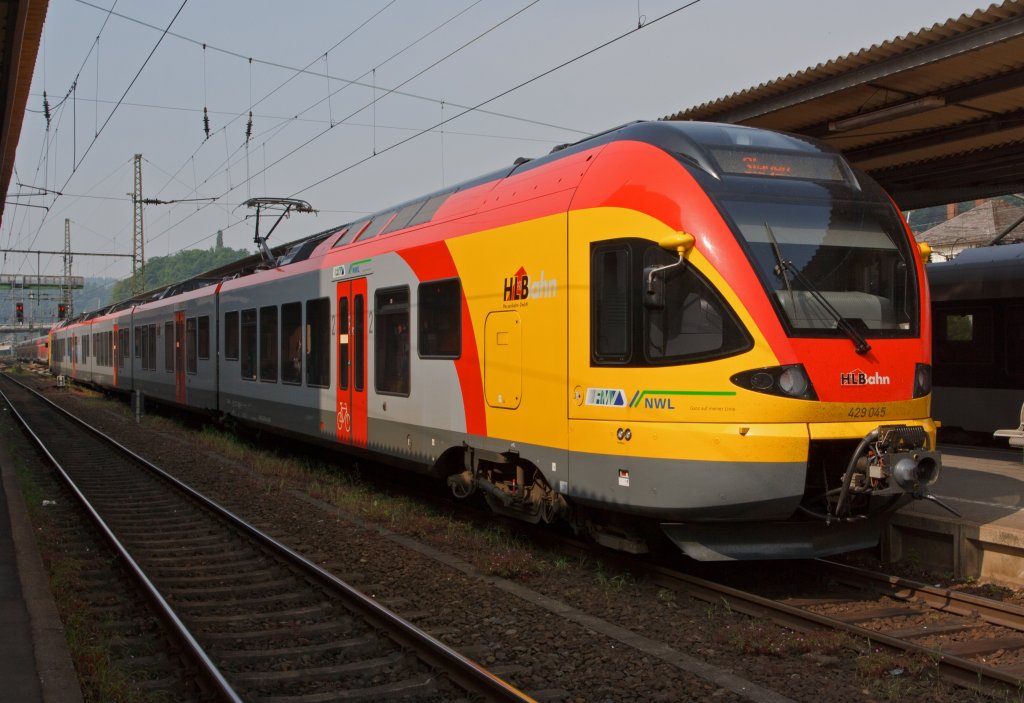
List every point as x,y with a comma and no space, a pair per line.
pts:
974,641
255,619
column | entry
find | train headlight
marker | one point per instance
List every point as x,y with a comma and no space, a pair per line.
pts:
789,381
922,380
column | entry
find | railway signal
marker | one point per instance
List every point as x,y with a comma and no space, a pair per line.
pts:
19,311
62,311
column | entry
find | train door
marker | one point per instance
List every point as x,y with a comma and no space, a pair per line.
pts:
115,351
351,396
179,357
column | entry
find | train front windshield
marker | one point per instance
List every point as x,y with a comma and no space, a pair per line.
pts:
824,259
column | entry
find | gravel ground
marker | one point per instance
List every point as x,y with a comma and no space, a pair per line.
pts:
560,628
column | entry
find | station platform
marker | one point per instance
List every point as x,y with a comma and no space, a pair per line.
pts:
35,664
986,543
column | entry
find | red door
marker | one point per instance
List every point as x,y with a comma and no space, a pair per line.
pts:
351,326
179,357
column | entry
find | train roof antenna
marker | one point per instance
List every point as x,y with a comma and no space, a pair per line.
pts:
282,205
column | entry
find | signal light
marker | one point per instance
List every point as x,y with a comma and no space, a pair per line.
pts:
62,311
19,311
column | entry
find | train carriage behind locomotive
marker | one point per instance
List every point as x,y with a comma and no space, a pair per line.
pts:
714,331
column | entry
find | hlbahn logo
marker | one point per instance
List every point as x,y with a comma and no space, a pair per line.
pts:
859,378
519,287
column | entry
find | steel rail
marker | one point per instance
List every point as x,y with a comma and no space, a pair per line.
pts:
958,669
944,599
466,672
164,610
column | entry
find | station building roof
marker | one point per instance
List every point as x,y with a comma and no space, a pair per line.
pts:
936,116
21,27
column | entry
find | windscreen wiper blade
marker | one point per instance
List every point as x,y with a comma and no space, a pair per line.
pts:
783,266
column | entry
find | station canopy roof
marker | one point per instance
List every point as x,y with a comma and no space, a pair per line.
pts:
935,117
21,26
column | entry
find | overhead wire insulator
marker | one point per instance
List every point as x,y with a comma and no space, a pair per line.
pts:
46,110
206,122
248,128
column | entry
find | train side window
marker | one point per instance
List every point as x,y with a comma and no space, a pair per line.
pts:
1015,341
203,341
122,347
291,343
343,343
143,346
248,344
440,319
268,344
965,335
377,226
610,304
191,348
318,343
138,342
168,346
391,341
359,355
152,348
85,347
231,335
960,328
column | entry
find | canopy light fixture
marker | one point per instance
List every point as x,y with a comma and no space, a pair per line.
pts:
867,119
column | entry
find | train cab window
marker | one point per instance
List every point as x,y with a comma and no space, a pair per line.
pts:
291,343
248,341
391,341
268,344
191,350
318,343
169,346
231,335
610,306
440,319
688,320
203,340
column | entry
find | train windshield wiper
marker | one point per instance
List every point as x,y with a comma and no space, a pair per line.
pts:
783,267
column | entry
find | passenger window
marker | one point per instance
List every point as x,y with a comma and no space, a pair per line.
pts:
231,335
191,349
248,344
168,346
391,341
291,343
964,335
268,344
343,342
204,337
318,343
359,355
152,348
440,319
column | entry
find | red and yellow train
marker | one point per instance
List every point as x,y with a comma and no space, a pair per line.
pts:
706,332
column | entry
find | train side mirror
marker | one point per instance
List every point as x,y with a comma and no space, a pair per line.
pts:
654,288
654,276
924,251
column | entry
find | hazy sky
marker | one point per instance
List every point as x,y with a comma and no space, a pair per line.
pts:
425,62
